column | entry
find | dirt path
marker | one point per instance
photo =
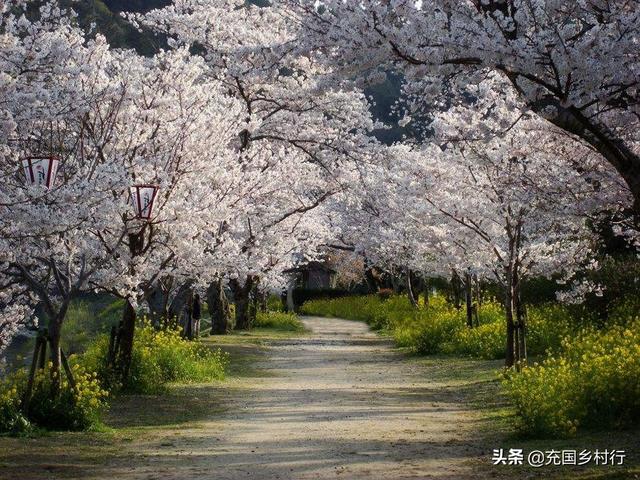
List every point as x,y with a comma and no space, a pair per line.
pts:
339,403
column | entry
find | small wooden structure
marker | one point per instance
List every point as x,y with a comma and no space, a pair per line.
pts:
313,276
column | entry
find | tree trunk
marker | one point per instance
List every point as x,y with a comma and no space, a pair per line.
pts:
478,290
125,340
516,352
410,294
187,325
253,302
456,288
396,282
55,356
196,327
468,294
291,304
54,332
218,308
179,304
127,325
521,319
426,291
264,298
515,329
39,353
157,298
373,282
509,358
242,298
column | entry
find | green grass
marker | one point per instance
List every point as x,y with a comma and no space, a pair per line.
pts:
87,319
159,357
279,321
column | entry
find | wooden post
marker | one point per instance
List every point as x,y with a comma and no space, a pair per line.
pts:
65,364
43,352
111,353
24,406
468,299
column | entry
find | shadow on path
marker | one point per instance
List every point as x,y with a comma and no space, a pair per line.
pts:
337,403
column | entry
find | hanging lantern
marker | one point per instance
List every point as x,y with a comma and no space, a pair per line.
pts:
40,170
142,197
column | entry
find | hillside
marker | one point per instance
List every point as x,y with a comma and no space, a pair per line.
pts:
120,34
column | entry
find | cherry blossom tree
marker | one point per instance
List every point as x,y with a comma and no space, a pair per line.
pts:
115,120
288,113
49,76
169,127
573,63
499,205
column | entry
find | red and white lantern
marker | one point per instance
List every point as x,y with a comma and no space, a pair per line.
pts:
142,197
41,170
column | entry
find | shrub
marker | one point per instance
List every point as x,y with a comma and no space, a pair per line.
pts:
547,326
78,409
159,357
279,321
486,341
12,421
594,382
274,304
427,330
71,409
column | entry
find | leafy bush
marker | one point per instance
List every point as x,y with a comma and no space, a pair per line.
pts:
159,357
488,341
70,409
12,421
279,321
594,382
427,330
547,325
274,304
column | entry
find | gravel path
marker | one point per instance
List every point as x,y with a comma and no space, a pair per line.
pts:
339,403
